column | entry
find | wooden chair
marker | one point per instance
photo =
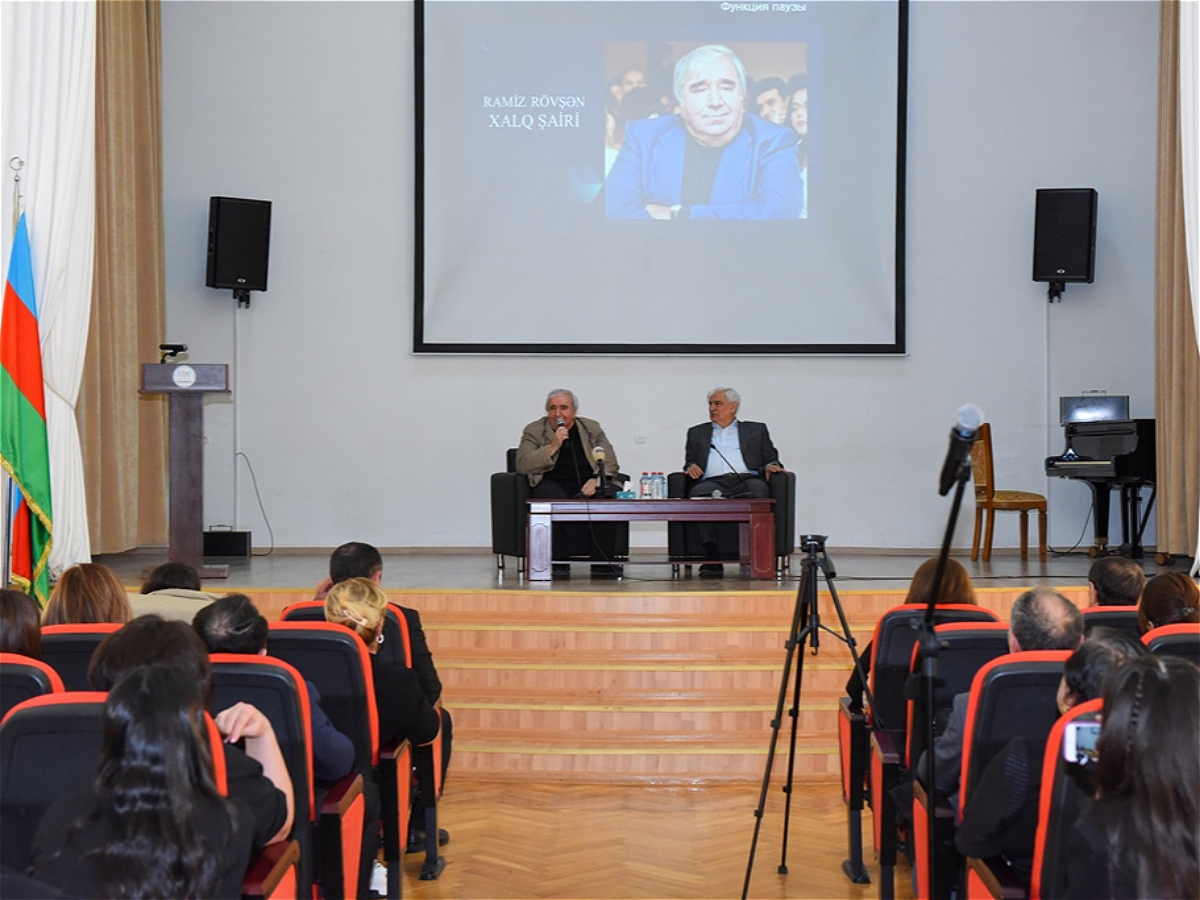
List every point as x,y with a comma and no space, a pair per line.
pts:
990,499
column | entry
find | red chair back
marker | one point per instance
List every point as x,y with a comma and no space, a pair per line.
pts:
1066,789
1181,639
22,677
68,650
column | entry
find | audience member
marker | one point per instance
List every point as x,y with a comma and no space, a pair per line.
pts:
1040,619
956,587
798,114
258,774
232,624
87,594
771,99
358,560
172,591
20,624
1115,581
404,711
152,824
1167,599
1139,839
1001,814
556,454
726,457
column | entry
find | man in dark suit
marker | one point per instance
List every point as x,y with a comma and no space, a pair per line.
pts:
727,457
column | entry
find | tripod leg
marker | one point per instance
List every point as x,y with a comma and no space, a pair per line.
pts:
792,642
806,628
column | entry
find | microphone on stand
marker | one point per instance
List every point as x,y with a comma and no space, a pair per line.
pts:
745,492
598,455
966,425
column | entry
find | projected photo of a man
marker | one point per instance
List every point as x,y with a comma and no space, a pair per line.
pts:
711,159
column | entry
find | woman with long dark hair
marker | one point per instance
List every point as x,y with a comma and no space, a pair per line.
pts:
152,824
1140,838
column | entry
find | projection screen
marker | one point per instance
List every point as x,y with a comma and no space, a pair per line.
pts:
660,176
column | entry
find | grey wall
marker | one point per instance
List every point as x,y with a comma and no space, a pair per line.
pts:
308,104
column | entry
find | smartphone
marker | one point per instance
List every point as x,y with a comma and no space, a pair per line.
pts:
1079,742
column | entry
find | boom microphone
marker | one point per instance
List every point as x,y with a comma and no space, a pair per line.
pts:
966,425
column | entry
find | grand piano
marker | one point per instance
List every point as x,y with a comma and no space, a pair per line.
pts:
1107,449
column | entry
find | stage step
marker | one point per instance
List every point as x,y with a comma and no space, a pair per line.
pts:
670,688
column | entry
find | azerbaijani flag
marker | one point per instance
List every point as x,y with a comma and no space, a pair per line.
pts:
24,450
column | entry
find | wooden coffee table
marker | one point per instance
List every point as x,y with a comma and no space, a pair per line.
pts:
756,518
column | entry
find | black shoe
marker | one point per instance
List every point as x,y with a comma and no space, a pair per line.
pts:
712,570
560,570
416,840
608,570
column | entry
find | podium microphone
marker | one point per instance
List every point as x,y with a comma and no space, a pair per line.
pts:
966,425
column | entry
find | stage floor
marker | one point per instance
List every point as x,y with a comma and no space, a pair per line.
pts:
475,569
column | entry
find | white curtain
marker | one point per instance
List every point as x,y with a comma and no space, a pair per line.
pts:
49,87
1189,139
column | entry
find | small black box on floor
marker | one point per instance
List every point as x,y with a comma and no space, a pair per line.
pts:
227,543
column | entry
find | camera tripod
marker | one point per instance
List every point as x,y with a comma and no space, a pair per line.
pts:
806,626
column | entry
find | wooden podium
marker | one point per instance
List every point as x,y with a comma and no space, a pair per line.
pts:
185,384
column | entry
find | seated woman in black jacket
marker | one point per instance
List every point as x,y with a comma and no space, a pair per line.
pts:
152,824
404,711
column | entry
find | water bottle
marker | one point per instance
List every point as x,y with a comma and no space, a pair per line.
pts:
660,486
644,493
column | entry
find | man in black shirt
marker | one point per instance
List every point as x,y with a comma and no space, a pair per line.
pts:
561,454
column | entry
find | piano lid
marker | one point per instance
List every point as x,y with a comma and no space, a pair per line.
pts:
1093,408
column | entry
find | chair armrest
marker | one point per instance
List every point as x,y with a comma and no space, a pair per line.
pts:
782,486
884,748
852,743
992,878
677,485
340,837
341,794
509,491
395,796
270,869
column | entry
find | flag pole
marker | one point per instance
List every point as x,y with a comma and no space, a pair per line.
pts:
16,164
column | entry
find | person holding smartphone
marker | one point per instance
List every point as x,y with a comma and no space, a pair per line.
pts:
1001,815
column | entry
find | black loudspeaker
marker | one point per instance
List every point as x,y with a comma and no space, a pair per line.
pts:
239,240
1064,235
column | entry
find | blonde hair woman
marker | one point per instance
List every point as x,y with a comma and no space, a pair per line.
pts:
361,605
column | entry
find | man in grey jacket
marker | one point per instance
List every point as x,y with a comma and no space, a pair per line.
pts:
561,454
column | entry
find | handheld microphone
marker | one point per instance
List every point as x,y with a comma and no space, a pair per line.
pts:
962,436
